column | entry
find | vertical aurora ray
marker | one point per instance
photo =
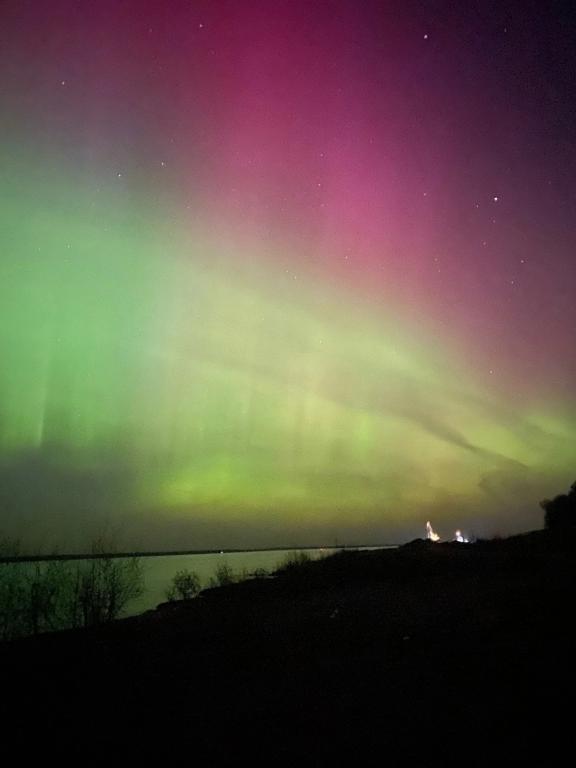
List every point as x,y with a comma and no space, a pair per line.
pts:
241,301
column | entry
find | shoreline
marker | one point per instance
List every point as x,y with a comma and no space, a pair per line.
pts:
409,654
170,553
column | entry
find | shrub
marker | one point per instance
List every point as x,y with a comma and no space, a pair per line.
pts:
223,576
12,592
42,596
44,591
293,561
33,597
184,586
102,588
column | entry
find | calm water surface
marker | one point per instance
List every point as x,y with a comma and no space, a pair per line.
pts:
158,571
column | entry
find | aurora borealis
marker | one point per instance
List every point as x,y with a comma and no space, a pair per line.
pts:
278,273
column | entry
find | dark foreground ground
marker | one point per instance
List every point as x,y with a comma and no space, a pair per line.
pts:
426,655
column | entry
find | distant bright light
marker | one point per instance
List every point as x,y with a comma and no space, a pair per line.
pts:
431,534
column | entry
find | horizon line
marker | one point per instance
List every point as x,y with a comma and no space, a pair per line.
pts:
166,553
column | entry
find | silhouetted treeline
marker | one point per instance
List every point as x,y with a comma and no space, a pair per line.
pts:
44,596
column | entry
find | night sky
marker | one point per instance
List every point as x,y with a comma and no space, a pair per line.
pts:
277,272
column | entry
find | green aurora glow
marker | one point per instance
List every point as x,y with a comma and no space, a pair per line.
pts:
189,388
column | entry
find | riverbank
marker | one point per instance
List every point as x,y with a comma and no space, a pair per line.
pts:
425,655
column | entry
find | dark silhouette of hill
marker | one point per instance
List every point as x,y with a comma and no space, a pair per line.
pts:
560,512
431,654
